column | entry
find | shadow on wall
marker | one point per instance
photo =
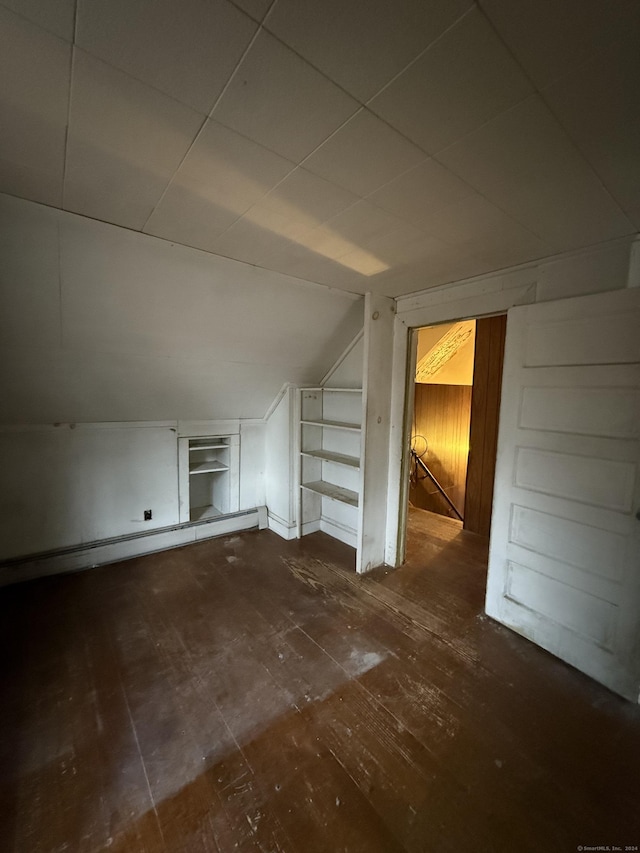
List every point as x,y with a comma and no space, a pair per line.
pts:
68,485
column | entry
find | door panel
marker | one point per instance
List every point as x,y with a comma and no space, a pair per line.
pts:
564,565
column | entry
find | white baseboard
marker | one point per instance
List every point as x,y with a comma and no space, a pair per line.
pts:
331,528
338,531
124,548
310,527
279,526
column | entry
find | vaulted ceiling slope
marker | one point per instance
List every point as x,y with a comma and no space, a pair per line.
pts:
362,144
102,324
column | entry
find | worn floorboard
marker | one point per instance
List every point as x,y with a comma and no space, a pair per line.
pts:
251,694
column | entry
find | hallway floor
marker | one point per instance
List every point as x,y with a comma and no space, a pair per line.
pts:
251,694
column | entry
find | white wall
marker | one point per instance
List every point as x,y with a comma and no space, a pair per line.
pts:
253,462
347,372
601,268
66,485
280,487
100,326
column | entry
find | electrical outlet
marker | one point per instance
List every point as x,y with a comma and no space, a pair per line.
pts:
147,515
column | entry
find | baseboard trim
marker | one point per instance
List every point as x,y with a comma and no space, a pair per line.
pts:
310,527
125,547
281,527
338,531
331,528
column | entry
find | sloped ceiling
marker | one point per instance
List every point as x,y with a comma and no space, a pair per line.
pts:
102,324
383,146
446,354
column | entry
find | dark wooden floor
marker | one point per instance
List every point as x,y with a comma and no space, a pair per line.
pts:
248,694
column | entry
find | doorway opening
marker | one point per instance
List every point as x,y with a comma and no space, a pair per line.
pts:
454,411
441,418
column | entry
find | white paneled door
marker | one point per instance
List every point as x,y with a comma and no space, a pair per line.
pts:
564,565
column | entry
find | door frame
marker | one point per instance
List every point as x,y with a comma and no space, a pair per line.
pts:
431,310
409,405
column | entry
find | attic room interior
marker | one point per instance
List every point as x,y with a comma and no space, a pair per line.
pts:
262,264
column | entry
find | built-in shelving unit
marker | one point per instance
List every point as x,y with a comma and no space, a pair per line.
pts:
328,456
330,461
333,425
210,465
330,490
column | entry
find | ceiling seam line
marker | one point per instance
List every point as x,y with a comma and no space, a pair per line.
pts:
67,131
419,56
35,24
207,118
175,243
540,93
476,189
591,167
258,21
362,105
60,311
295,165
139,80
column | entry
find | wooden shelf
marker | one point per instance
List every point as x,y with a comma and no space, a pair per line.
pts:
339,390
329,456
333,425
329,490
210,467
199,513
209,472
329,432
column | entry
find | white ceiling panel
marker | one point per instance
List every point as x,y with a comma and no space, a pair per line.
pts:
366,225
126,293
34,95
222,176
475,223
304,263
496,255
254,240
283,217
358,239
57,16
363,155
307,198
510,145
599,107
524,163
419,250
421,191
465,78
552,37
437,269
356,143
281,102
113,170
362,45
187,50
286,220
567,206
256,8
333,274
